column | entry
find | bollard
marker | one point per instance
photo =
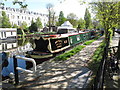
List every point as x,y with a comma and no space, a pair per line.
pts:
15,70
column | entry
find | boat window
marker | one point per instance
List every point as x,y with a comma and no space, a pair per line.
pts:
62,31
71,40
78,38
71,30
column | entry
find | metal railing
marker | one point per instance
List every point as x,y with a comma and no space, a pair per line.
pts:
16,68
99,79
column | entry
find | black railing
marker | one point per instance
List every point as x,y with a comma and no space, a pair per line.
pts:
99,79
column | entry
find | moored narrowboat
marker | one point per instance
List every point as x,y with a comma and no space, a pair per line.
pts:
67,36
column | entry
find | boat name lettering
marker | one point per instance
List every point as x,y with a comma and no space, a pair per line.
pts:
58,43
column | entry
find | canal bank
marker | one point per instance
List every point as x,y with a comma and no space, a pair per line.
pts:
72,73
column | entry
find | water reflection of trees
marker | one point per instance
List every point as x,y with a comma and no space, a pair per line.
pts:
24,41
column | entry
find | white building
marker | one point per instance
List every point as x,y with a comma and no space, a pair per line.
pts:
17,16
6,46
6,33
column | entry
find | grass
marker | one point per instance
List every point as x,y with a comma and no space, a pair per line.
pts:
96,58
88,42
94,64
70,53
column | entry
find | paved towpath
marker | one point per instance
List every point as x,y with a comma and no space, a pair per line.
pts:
72,73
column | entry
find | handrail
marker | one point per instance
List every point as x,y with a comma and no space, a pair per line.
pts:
30,60
16,68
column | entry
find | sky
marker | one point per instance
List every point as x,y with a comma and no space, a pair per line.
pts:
67,6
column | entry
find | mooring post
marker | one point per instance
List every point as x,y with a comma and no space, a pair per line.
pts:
15,70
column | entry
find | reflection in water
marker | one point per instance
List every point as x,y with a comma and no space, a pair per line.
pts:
10,67
15,47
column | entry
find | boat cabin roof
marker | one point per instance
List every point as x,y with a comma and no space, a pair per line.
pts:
63,30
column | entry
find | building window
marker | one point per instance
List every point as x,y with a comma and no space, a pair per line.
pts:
3,47
8,15
28,18
2,34
13,16
18,23
5,34
11,33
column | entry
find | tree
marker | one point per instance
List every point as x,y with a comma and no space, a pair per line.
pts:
87,18
73,19
39,23
15,26
5,23
23,25
61,18
21,3
108,14
50,8
81,24
33,27
0,22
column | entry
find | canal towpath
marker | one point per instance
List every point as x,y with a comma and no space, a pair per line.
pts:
72,73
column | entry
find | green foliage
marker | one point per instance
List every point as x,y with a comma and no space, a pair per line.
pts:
70,53
39,23
96,58
72,18
61,18
108,14
87,18
22,4
88,42
81,24
0,22
20,31
111,33
23,25
35,25
5,23
15,26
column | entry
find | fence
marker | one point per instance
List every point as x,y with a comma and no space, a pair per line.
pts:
99,79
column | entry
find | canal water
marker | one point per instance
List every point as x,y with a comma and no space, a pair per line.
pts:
15,47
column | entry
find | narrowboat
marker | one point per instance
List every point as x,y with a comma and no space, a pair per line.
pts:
67,36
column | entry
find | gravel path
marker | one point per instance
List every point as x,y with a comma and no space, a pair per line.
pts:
72,73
